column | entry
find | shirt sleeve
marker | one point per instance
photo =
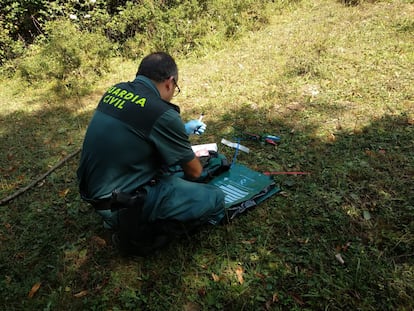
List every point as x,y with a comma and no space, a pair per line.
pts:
170,139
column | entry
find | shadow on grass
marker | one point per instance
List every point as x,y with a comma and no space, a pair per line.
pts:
357,202
32,143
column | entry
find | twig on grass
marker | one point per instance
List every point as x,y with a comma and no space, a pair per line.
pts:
38,179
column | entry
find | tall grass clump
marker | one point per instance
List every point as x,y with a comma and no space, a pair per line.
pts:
66,59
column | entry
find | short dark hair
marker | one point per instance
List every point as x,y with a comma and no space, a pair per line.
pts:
158,66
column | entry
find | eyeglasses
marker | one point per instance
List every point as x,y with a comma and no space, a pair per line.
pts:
177,88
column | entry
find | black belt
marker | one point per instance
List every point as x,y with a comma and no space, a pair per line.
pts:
120,200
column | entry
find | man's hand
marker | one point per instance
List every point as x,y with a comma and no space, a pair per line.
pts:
195,127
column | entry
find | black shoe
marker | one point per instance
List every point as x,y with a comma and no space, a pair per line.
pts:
116,241
141,247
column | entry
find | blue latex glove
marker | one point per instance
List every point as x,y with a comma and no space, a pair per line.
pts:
195,127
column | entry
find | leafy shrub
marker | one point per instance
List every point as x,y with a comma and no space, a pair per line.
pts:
69,59
9,48
22,22
182,27
134,27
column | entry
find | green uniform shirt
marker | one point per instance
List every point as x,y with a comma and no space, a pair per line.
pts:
132,135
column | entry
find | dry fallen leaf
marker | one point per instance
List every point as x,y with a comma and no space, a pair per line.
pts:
283,194
202,292
63,192
191,306
260,275
239,273
331,137
41,183
369,152
98,241
251,241
216,278
297,298
81,294
346,246
34,289
269,303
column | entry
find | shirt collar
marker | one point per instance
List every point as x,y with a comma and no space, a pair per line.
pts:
147,82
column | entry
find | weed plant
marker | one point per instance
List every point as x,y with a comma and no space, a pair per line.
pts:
67,59
334,82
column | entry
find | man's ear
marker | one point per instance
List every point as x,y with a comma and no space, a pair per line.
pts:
169,83
166,89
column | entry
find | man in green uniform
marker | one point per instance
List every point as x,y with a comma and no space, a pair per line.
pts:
134,135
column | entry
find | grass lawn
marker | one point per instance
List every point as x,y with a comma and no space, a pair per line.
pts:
335,82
